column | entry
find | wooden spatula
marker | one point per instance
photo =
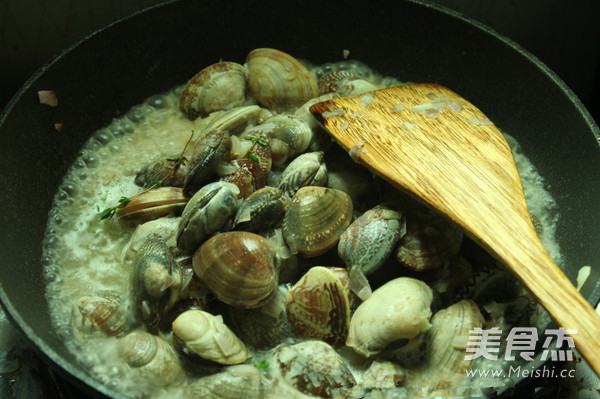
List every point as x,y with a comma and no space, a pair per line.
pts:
437,147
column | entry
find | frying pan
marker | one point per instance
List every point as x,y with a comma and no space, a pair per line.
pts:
120,65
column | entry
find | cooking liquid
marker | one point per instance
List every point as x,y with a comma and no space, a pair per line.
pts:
83,255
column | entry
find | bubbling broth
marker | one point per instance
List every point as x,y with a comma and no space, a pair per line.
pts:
135,297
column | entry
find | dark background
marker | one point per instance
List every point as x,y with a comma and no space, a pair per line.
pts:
564,34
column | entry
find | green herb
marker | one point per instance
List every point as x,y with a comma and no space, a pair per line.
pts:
263,365
252,156
257,140
110,212
180,160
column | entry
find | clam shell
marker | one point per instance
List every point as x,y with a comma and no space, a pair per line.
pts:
429,241
238,267
397,311
369,240
209,152
217,87
205,335
209,211
308,169
234,382
164,170
165,227
258,328
313,368
104,313
152,357
156,281
278,81
289,136
445,365
247,175
315,219
382,375
318,306
262,210
234,120
153,204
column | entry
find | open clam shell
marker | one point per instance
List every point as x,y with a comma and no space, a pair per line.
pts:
217,87
318,306
279,81
315,219
398,311
262,210
314,368
153,357
239,267
153,204
205,335
104,313
429,241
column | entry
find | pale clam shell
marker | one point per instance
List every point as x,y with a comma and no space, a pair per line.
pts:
247,175
165,227
278,81
318,306
382,375
445,366
315,219
429,241
153,204
234,382
239,267
307,169
220,86
397,311
288,136
153,358
233,120
205,335
314,368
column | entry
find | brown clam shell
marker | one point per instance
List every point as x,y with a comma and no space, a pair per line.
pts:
239,267
247,175
154,204
278,81
318,306
429,241
315,220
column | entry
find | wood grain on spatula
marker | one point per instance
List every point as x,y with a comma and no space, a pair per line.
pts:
440,149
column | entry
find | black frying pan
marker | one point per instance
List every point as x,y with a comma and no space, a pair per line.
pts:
120,65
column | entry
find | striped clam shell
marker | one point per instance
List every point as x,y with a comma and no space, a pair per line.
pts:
315,219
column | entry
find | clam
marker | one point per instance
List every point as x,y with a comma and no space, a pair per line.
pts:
156,281
278,81
258,328
289,136
220,86
330,82
103,313
253,144
371,238
318,306
396,313
246,174
304,110
315,219
262,210
429,241
382,375
153,204
234,382
308,169
234,120
168,171
209,152
239,267
313,368
209,211
203,334
444,366
165,227
152,357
